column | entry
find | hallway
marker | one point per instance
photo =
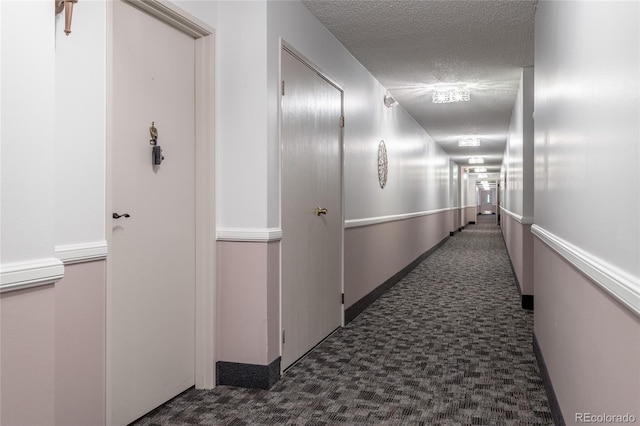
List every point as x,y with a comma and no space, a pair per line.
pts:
448,344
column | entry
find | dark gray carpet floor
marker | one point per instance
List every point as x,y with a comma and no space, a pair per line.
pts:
448,344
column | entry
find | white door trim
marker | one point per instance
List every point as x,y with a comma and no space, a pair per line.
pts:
175,17
205,198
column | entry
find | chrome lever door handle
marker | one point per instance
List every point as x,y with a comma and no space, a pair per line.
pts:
320,210
118,216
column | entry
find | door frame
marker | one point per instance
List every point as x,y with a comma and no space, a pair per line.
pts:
205,267
284,45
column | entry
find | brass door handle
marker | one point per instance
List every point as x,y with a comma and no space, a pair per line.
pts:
320,210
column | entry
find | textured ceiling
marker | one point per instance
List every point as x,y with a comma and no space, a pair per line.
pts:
413,47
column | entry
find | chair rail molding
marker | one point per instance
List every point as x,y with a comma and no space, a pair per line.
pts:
82,252
354,223
22,275
619,284
524,220
257,235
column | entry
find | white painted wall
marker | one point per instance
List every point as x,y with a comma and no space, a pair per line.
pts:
587,104
80,114
518,155
513,157
471,196
464,188
206,11
241,120
528,171
54,100
454,185
27,168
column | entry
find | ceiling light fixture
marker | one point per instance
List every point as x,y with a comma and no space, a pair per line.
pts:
451,96
480,170
476,160
389,101
469,142
483,176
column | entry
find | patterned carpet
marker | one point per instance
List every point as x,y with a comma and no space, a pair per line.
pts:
447,345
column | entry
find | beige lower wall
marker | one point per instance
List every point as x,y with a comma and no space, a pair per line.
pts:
248,302
53,351
590,342
519,242
80,345
27,358
455,217
273,301
374,253
469,214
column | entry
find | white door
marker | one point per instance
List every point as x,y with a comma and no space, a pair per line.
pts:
152,255
311,182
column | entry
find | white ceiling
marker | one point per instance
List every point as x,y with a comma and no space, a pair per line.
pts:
415,46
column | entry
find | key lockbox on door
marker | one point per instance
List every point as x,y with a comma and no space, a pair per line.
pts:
156,153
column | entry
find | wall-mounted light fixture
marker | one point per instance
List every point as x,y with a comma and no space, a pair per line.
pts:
476,160
451,96
389,101
67,6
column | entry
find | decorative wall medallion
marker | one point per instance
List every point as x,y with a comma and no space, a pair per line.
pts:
382,164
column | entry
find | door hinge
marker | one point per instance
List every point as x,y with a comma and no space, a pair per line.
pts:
342,299
342,121
283,336
282,87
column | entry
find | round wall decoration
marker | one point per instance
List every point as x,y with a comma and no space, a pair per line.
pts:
382,164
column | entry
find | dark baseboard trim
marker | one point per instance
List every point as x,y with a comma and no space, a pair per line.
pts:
356,309
558,420
526,300
247,375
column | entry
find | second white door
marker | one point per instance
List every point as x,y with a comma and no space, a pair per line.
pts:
311,208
